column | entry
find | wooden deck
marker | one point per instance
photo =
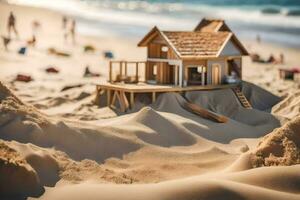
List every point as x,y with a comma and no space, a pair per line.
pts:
121,92
147,88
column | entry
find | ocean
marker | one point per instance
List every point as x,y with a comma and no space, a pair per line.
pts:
276,21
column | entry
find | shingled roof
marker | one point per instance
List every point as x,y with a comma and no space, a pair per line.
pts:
212,25
197,44
207,40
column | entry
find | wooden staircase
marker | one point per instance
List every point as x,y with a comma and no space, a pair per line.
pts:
241,97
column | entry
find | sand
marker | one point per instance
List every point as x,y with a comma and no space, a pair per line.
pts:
58,144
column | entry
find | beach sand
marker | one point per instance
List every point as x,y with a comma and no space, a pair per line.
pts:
58,144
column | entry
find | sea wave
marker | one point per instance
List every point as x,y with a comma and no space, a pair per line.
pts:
169,13
138,16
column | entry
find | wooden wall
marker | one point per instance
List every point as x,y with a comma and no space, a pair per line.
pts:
164,72
155,46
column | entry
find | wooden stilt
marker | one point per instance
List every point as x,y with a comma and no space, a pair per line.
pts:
108,93
125,68
98,94
146,71
137,71
176,75
131,100
114,97
121,67
153,97
110,71
123,101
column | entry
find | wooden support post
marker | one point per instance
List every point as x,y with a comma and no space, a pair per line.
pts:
153,97
146,71
123,101
110,71
108,93
181,74
114,97
137,71
185,76
125,68
98,93
203,75
131,100
176,75
121,67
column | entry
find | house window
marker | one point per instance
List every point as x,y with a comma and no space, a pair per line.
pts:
154,70
164,49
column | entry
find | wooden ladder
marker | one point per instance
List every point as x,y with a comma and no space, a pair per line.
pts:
241,97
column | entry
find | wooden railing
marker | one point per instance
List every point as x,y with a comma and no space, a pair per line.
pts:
124,76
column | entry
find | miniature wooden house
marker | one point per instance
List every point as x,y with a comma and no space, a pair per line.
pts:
179,61
204,56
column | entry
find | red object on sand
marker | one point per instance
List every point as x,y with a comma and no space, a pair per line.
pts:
23,78
52,70
295,70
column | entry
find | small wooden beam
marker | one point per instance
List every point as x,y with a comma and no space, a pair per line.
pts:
137,71
131,100
153,97
207,114
98,93
110,71
123,101
121,68
108,93
114,96
146,71
176,74
125,68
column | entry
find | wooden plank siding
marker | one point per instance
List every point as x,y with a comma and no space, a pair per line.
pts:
155,49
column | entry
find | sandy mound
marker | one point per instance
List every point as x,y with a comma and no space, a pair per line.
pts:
25,124
281,147
165,132
274,183
156,144
17,177
289,108
258,97
11,106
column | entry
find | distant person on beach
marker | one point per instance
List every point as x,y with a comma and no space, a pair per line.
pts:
64,22
258,39
64,27
32,41
36,25
281,58
271,59
6,42
11,25
73,30
88,73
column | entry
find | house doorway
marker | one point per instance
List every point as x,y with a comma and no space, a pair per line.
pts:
216,74
233,67
197,75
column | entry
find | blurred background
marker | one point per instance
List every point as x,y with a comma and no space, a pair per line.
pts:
275,21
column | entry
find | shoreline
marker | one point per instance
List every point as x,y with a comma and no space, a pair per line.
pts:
104,26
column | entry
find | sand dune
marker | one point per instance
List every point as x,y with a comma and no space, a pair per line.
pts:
136,149
244,185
